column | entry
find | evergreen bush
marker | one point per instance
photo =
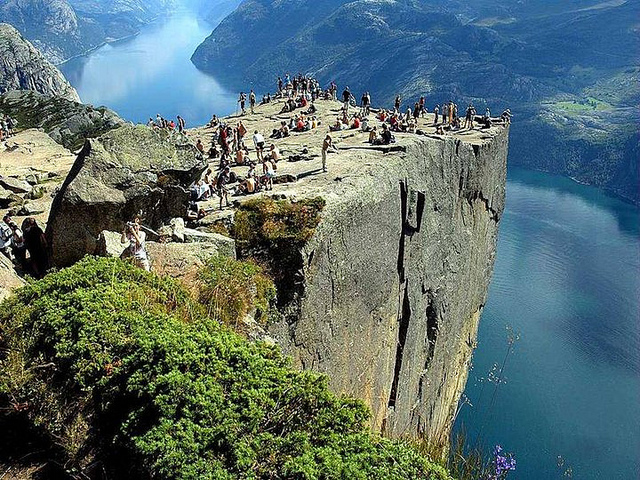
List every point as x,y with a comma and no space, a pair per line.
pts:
111,361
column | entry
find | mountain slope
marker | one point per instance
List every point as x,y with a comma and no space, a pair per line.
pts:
62,29
22,67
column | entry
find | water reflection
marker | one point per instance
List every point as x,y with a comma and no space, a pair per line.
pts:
152,73
567,277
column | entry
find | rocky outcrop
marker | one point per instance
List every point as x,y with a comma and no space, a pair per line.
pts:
394,280
128,171
9,279
22,67
69,123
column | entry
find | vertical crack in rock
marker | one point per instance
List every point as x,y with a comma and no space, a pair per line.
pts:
405,317
405,310
432,331
494,215
403,203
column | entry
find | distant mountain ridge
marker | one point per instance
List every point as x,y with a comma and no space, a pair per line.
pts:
62,29
567,69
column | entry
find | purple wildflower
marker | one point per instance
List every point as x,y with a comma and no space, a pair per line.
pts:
503,464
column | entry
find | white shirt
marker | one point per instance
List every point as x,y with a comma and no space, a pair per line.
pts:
258,138
137,251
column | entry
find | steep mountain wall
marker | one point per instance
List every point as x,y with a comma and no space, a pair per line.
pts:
22,67
396,277
62,29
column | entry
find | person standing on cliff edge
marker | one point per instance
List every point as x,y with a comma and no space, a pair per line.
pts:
326,146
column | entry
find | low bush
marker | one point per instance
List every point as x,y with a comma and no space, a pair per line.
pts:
265,221
231,289
116,363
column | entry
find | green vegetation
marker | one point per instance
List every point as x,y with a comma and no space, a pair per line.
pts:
129,375
231,289
265,221
588,104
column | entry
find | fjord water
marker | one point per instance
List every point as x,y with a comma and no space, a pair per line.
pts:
567,278
151,73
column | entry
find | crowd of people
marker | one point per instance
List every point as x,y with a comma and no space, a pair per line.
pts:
298,95
162,123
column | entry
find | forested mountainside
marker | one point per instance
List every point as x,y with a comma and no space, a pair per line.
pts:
568,74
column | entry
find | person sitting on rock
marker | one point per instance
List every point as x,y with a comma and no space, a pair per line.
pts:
356,122
200,146
5,237
136,239
506,116
385,136
213,151
214,121
18,247
373,135
300,125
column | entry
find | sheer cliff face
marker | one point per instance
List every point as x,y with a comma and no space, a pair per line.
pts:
396,278
22,67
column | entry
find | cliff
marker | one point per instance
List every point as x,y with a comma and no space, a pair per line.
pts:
22,67
396,278
386,296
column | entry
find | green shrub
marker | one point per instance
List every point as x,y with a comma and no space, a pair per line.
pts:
231,289
268,221
111,362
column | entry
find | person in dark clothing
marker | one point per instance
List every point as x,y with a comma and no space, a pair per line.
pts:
37,246
346,96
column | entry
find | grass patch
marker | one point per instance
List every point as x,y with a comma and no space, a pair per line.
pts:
265,221
232,289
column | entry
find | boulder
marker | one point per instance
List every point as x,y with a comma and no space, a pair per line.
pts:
109,245
184,260
129,171
15,185
5,197
9,279
177,229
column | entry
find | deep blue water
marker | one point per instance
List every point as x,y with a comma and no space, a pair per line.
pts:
566,279
152,73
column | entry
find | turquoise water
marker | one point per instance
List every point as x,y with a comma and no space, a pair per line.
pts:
152,73
567,278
